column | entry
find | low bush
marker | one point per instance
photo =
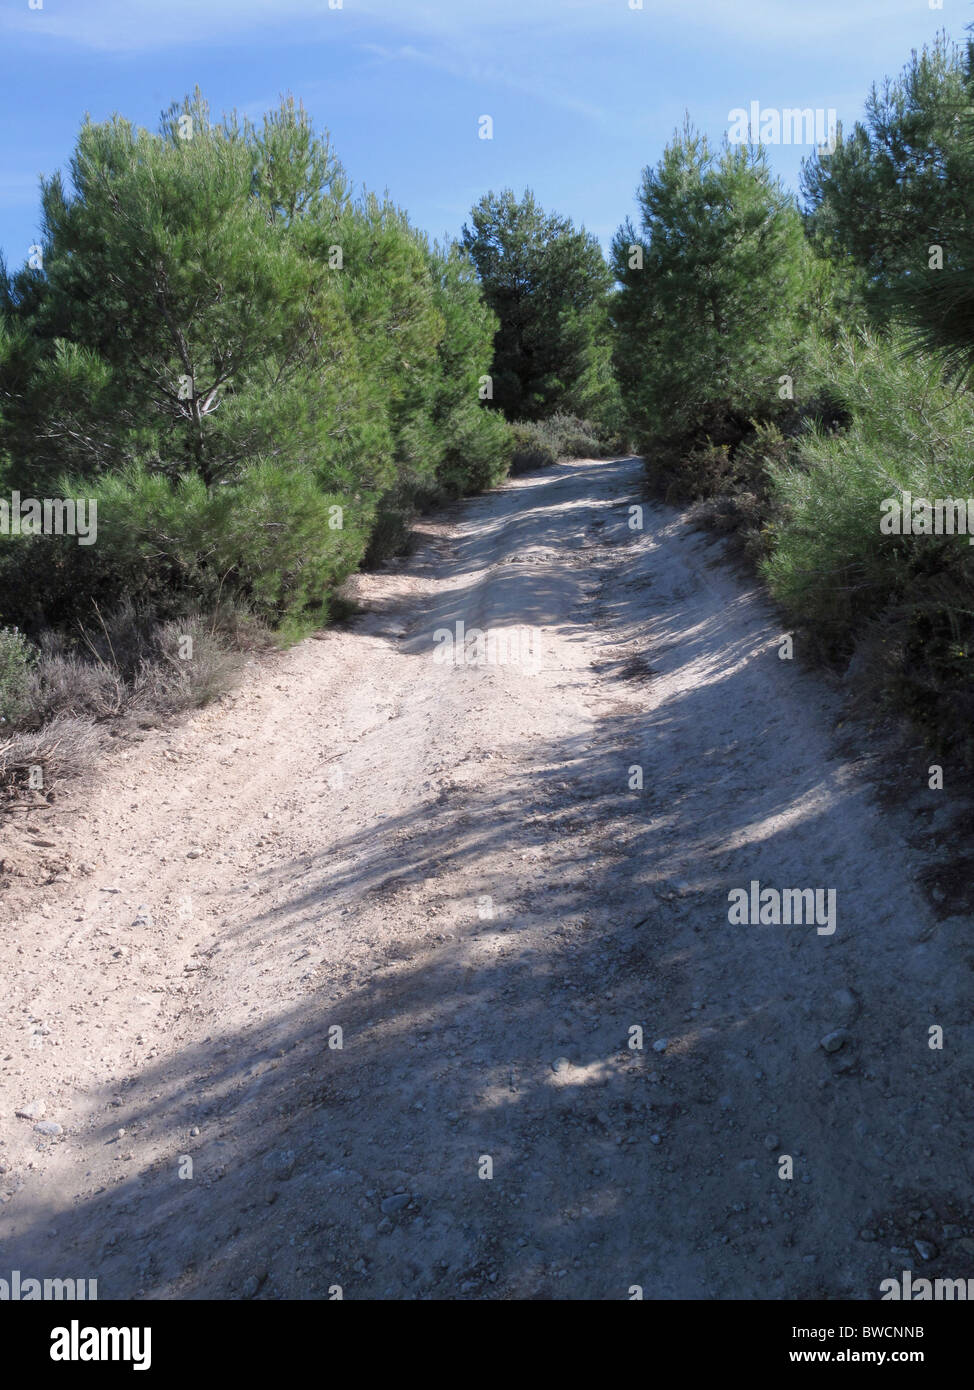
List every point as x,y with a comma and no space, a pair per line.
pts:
540,443
16,659
902,604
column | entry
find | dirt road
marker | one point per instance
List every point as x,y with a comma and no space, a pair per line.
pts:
452,863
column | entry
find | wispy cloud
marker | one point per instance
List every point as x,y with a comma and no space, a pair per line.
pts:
488,74
131,26
138,25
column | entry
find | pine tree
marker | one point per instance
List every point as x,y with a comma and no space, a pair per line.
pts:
548,284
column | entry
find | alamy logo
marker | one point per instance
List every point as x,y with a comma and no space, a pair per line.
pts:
77,1343
495,646
915,516
922,1290
789,125
774,907
52,516
18,1290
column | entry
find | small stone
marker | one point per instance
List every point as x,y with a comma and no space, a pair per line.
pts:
867,1234
48,1127
660,1044
832,1042
925,1249
193,1132
253,1283
397,1202
771,1141
34,1111
560,1064
193,854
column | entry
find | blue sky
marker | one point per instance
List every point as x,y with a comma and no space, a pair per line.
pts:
582,93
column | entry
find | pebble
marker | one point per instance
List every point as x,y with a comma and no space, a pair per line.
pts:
833,1041
771,1141
925,1249
397,1202
660,1045
34,1111
48,1127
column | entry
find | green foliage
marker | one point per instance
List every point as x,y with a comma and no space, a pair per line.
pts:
228,353
903,602
713,317
548,285
731,298
540,443
934,298
16,659
900,182
532,449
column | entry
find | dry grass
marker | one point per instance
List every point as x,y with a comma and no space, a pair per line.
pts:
123,664
65,747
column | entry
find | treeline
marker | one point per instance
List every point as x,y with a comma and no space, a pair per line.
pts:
799,367
258,378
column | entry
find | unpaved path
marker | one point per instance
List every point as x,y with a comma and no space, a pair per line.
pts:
448,863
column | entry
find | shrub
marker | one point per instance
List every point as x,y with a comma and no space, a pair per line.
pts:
540,443
479,450
16,658
531,447
127,661
65,747
902,602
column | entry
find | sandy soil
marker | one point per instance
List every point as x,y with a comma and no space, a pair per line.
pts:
448,863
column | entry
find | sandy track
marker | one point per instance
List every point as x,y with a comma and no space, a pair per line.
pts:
448,863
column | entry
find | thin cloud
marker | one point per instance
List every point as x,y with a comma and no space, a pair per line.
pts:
488,74
128,26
